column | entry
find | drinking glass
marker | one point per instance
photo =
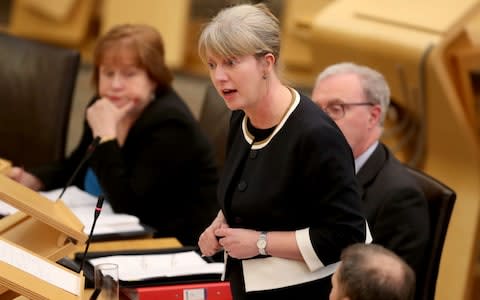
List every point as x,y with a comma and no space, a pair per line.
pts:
106,281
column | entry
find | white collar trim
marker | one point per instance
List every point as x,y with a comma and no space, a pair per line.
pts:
261,144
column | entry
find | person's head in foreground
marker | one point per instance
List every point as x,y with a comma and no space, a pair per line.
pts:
372,272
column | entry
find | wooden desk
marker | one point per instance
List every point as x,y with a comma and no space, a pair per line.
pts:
124,245
143,244
129,245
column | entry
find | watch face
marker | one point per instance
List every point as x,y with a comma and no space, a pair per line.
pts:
261,243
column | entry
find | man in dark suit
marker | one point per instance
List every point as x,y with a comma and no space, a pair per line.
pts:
357,98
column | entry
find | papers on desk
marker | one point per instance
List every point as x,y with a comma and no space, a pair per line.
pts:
43,269
83,205
147,266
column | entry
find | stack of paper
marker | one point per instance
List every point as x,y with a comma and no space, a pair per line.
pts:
142,267
83,205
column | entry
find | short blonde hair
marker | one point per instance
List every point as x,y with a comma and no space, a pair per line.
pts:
241,30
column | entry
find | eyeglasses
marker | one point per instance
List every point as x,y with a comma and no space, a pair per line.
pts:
336,110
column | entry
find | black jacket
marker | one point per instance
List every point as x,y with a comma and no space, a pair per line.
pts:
395,206
301,178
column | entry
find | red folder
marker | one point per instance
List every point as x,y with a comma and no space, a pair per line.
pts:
193,291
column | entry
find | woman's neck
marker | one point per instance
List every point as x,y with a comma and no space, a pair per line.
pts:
270,110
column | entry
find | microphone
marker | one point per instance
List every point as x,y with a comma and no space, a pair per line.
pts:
89,153
98,209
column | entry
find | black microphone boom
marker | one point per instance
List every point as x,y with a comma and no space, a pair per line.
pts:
89,153
98,209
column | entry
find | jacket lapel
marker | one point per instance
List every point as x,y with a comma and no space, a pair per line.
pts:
372,166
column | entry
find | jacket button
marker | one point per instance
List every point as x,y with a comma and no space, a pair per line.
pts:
238,220
253,154
242,186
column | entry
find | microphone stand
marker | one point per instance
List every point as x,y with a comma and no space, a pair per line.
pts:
98,209
89,153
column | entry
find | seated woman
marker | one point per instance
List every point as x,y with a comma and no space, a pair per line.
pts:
153,160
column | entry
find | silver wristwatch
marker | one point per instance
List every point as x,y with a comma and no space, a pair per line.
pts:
262,243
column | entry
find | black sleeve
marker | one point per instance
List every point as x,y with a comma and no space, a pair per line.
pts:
331,183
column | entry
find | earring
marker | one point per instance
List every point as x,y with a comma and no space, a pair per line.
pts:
264,76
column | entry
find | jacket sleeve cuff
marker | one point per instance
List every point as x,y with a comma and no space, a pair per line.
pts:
306,249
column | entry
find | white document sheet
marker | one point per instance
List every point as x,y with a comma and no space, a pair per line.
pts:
73,197
140,267
33,265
